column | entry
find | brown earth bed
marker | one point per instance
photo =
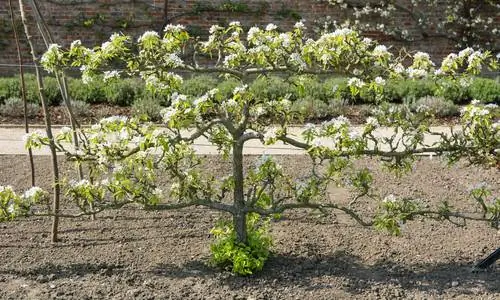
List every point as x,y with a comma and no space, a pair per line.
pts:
132,254
357,114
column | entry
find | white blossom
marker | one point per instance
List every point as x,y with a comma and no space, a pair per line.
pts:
6,188
380,50
215,28
113,119
318,142
175,60
372,121
252,32
389,199
230,59
66,130
399,68
106,46
367,41
32,192
75,44
86,78
79,183
200,100
309,126
354,81
258,110
157,192
271,27
421,56
111,74
167,114
229,103
465,52
285,40
174,28
148,35
416,73
300,25
379,80
114,36
296,59
270,135
240,89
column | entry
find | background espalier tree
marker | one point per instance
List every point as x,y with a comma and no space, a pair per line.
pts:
465,23
123,155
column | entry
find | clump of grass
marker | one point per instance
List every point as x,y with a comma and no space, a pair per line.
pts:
149,106
14,107
439,106
80,108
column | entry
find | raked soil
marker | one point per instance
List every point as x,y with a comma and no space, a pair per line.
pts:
132,254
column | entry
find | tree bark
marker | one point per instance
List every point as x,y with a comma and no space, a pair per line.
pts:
48,128
240,216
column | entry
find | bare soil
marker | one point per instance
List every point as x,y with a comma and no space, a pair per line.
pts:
357,114
132,254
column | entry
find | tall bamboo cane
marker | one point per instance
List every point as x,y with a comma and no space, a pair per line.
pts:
23,89
48,128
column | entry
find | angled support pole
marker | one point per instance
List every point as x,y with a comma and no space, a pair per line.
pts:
488,261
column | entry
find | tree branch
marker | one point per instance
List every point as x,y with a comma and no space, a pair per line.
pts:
198,202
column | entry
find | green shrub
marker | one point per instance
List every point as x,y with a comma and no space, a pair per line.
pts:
227,87
198,85
90,93
454,91
32,92
14,107
123,92
485,90
394,91
241,259
439,106
148,106
313,87
336,88
80,108
52,91
271,88
9,87
311,108
398,91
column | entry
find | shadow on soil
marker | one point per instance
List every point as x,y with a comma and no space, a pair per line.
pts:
312,273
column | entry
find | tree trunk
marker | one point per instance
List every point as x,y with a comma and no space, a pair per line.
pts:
48,128
240,216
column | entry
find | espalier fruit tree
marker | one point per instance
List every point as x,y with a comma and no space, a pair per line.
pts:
123,155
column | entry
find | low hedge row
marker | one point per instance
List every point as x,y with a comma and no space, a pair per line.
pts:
125,92
122,92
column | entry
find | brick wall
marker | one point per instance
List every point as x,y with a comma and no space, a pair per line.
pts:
92,21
